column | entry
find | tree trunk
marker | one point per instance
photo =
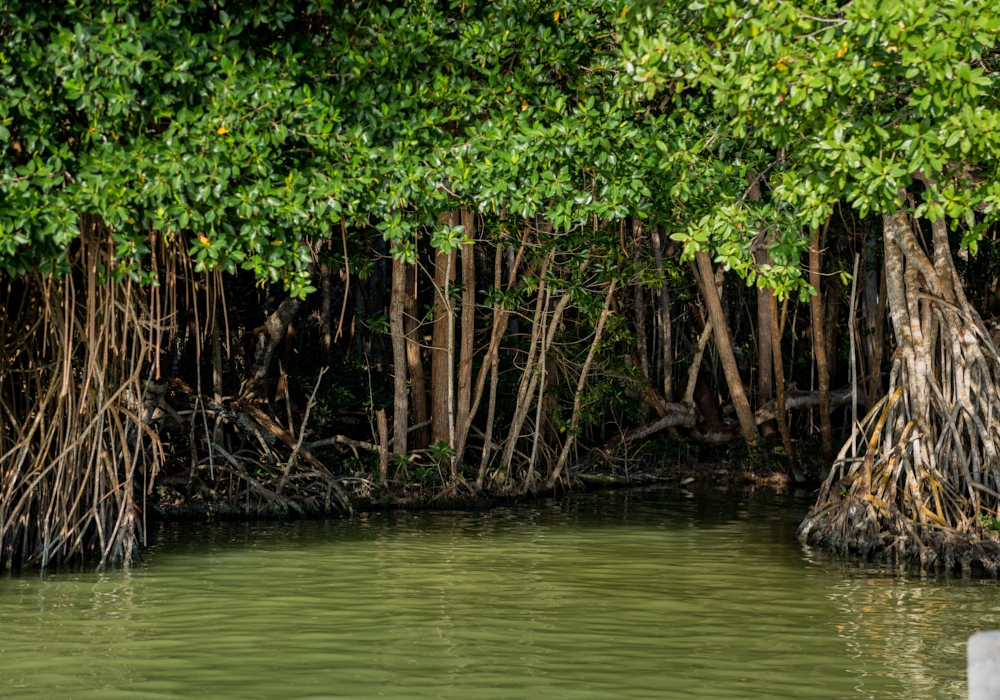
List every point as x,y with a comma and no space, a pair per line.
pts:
527,387
930,476
764,338
397,330
580,386
326,308
414,361
819,345
383,449
778,365
722,342
764,294
217,388
666,322
491,361
468,336
640,306
878,340
267,338
442,356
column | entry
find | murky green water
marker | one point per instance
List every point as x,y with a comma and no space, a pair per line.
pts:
617,596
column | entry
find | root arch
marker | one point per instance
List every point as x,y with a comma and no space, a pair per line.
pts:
928,480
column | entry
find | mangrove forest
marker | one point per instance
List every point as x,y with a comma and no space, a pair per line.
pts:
286,258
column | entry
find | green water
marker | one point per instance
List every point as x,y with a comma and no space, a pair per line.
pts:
647,594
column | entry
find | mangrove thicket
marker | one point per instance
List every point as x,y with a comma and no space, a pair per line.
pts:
272,257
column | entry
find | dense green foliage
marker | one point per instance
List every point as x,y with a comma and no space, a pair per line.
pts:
851,100
590,150
250,128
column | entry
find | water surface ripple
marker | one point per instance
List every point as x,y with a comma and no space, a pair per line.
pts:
645,594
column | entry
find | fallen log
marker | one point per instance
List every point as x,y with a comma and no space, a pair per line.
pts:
675,415
803,399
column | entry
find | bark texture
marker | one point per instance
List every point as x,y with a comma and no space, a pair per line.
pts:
397,329
443,351
415,362
820,346
747,424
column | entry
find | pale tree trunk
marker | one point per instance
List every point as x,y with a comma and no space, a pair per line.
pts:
538,378
548,338
490,361
580,386
748,424
546,326
539,404
528,378
819,345
500,321
781,413
930,468
397,305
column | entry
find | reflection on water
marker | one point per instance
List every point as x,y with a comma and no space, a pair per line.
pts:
628,595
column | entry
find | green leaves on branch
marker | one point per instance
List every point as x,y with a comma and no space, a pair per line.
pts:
852,102
253,129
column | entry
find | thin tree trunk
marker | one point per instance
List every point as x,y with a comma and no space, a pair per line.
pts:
526,388
499,327
764,352
699,353
640,305
764,369
397,305
326,308
853,362
217,388
468,336
665,326
547,338
500,322
490,418
878,337
781,412
539,404
819,345
442,356
651,398
580,386
414,361
383,449
722,342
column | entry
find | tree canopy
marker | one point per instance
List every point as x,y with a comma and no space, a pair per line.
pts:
853,100
254,127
